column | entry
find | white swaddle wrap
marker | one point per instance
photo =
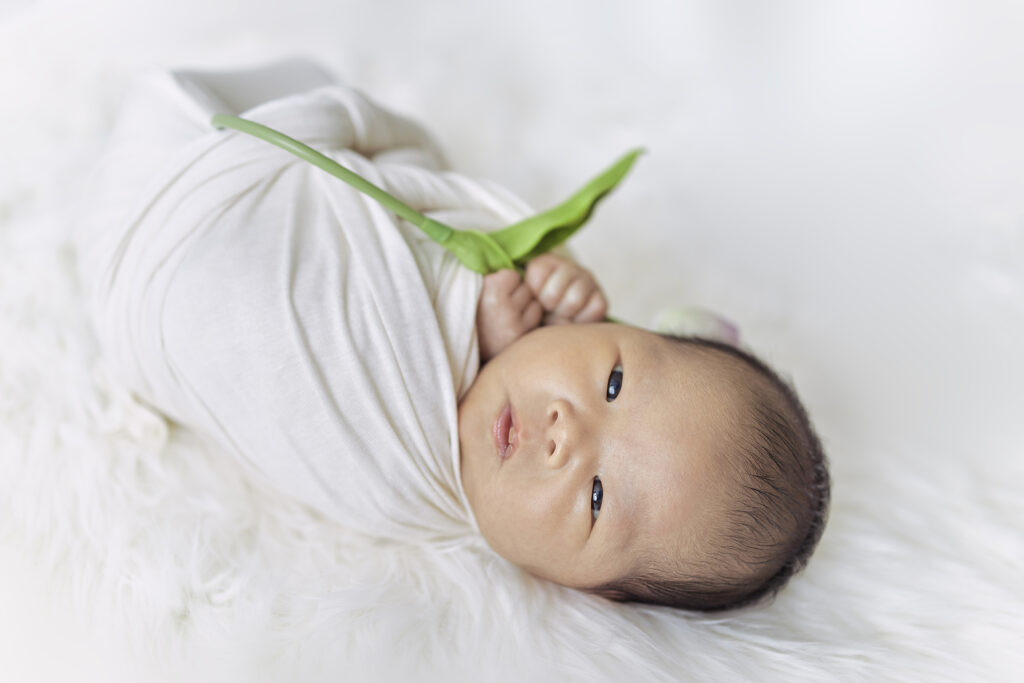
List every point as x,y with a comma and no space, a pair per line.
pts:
257,299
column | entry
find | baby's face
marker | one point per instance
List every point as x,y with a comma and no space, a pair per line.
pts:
588,447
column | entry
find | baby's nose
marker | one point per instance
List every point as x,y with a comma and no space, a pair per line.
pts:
560,433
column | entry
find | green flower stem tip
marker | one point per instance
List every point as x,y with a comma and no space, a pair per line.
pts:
510,247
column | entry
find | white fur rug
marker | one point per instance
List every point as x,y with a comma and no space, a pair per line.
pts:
842,179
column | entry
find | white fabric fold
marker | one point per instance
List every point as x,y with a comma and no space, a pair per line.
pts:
258,300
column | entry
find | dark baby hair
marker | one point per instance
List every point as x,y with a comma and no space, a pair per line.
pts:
775,522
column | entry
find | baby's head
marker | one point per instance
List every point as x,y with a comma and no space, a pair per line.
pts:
643,468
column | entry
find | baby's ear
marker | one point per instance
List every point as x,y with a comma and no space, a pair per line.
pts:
692,321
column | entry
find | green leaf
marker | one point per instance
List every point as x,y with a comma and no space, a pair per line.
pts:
541,233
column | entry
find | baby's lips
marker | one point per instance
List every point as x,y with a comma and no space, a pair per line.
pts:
692,321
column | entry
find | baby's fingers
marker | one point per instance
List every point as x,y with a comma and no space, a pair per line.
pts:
532,316
501,284
521,297
575,297
526,307
594,310
549,277
552,291
539,270
567,291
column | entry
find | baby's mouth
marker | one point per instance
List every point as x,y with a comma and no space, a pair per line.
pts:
505,432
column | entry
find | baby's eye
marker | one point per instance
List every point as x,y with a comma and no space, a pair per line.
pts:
595,498
614,384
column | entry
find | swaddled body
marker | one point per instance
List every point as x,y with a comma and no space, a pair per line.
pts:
296,322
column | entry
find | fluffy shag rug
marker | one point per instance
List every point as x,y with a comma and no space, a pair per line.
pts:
843,182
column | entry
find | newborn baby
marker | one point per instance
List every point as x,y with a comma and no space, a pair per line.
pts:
359,368
640,467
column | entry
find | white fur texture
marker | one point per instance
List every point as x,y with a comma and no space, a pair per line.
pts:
843,180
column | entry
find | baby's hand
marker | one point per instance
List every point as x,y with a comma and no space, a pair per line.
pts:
506,311
566,290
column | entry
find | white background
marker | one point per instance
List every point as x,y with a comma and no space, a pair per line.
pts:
845,180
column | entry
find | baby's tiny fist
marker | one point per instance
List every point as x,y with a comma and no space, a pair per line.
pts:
566,290
506,311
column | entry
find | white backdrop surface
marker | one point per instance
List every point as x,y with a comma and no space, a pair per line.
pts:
844,180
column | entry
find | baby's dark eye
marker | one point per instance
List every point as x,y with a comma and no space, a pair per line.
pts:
595,498
614,384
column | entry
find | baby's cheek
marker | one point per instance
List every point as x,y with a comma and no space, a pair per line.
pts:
531,535
497,529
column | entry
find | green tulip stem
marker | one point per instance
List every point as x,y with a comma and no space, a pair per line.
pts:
510,247
439,232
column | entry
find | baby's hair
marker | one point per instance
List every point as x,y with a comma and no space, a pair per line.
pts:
775,522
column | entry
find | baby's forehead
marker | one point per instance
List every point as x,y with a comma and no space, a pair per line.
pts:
715,370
